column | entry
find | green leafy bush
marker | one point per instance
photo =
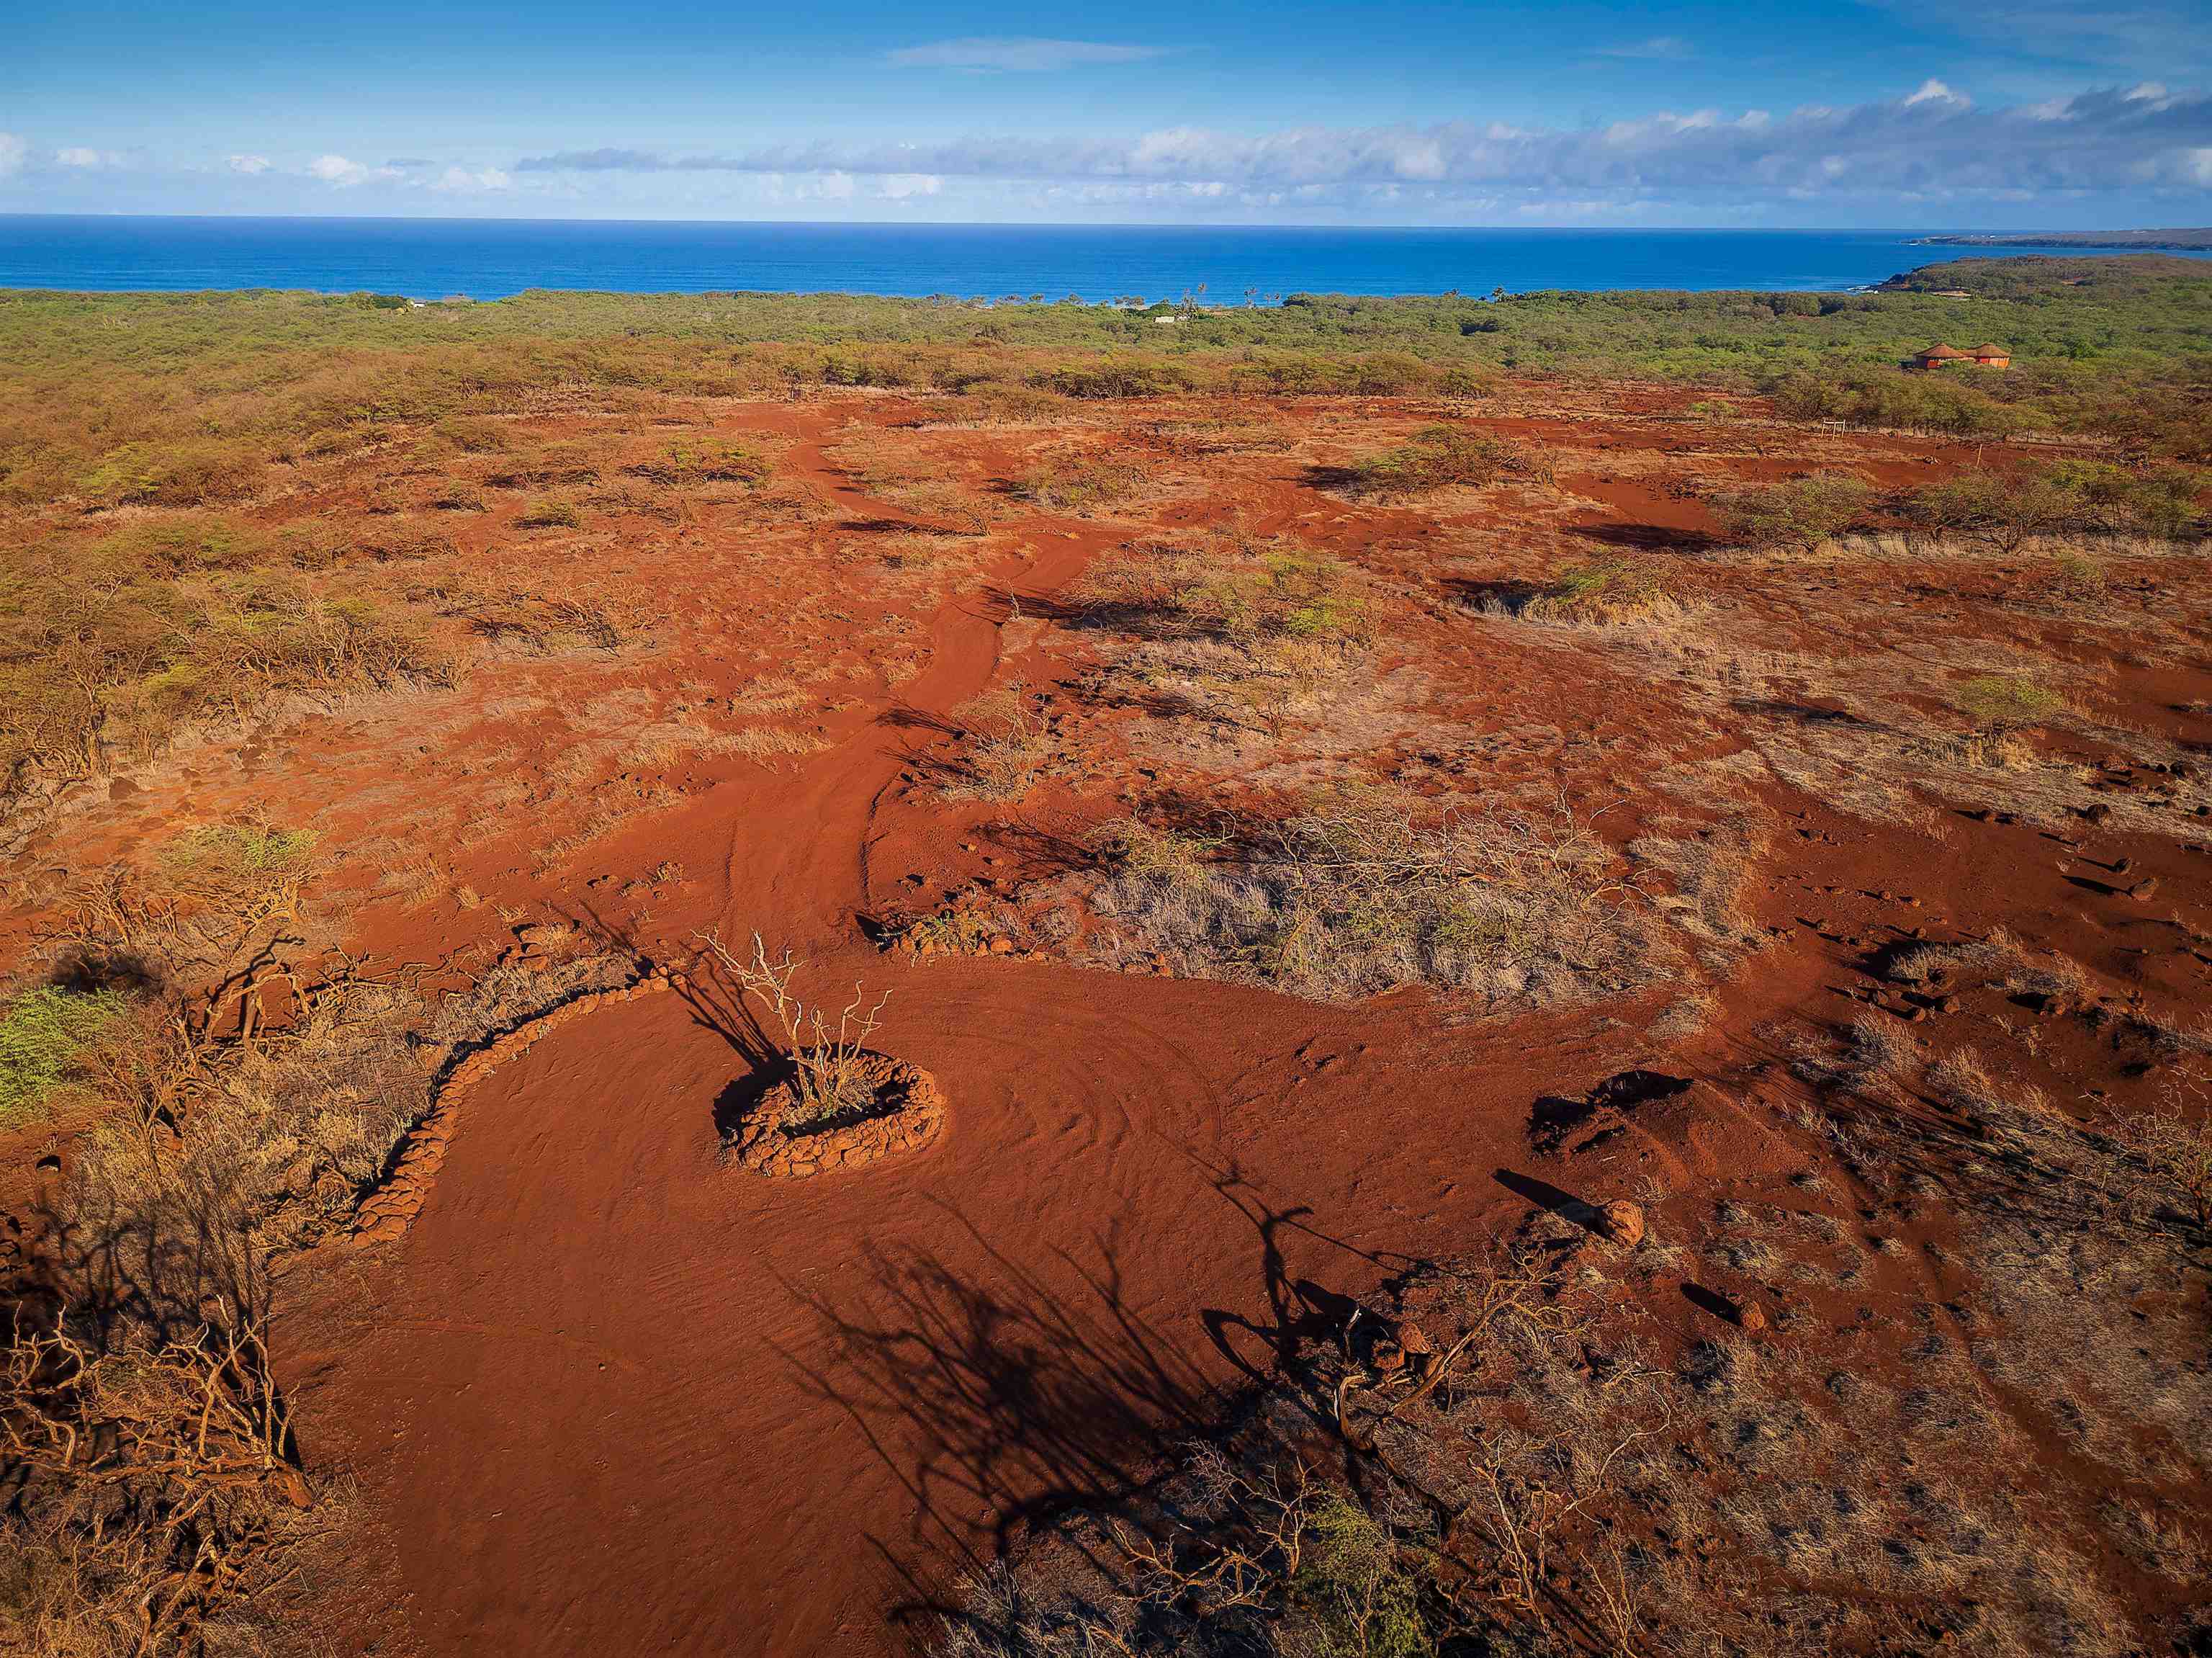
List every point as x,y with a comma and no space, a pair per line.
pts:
41,1033
691,462
1110,380
2005,509
1603,593
2000,703
1801,514
1442,457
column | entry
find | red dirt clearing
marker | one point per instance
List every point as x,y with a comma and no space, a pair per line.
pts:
606,1394
612,1396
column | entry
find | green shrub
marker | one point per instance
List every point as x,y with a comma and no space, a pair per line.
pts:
186,474
1387,373
839,368
2003,510
1603,593
1352,1594
2000,703
1111,380
42,1032
1801,514
459,498
1925,403
550,514
1470,383
1442,457
2113,501
689,462
2076,576
247,851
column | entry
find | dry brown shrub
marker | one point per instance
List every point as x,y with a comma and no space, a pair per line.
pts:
1080,482
154,1485
830,1072
1009,743
2172,1145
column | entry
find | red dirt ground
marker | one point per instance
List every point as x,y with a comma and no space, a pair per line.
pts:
606,1396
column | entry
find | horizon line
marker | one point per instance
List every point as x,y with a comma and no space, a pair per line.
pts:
1114,224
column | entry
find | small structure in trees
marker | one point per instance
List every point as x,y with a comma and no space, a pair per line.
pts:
1940,355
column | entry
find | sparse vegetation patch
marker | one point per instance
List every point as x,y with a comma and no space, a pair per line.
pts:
1365,892
1445,457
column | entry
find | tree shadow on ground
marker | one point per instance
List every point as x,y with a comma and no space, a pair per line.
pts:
1511,596
1006,1394
1647,538
1004,604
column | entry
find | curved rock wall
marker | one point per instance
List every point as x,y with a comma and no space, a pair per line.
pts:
386,1212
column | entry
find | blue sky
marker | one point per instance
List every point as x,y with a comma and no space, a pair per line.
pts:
1874,113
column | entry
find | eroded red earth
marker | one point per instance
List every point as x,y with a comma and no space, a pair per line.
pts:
606,1395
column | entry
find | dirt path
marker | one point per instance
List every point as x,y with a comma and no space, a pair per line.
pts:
610,1398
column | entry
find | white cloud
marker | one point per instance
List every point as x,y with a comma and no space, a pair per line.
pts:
1933,91
346,174
2191,166
1017,54
459,178
249,164
1933,144
898,186
81,155
1424,158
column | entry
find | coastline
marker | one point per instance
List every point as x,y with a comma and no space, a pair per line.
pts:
2140,242
490,259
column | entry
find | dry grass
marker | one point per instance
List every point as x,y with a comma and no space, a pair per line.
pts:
1079,485
2172,1145
157,1504
1252,636
1519,1475
1607,593
1008,745
1366,891
914,474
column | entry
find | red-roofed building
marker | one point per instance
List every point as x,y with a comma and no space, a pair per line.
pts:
1938,356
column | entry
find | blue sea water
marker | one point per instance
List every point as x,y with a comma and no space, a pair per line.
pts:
489,259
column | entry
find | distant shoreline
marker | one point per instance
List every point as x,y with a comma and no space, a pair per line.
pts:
2145,240
434,260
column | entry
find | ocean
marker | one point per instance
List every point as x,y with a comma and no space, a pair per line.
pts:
489,259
